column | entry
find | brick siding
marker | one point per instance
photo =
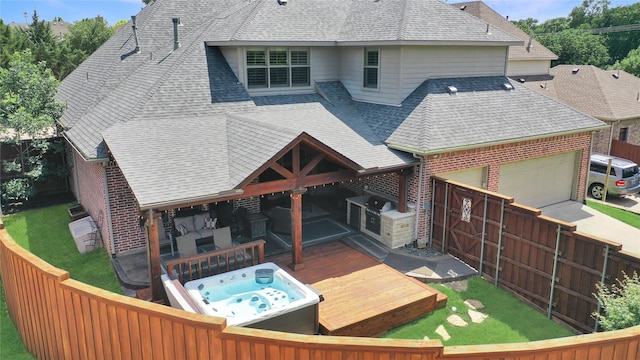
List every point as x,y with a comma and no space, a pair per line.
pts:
90,192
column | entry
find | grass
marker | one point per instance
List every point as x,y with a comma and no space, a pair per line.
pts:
626,217
509,320
45,233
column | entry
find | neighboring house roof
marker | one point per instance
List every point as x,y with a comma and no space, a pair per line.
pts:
516,52
605,94
59,28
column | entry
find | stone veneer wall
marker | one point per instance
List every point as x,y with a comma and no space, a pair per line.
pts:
492,157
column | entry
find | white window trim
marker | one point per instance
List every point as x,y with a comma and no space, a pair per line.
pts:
268,66
365,66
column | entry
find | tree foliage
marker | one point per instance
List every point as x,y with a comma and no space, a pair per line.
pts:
28,112
574,46
620,303
593,33
631,63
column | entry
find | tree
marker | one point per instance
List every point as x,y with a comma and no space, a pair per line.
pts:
12,41
620,303
526,25
28,111
574,46
588,13
85,37
631,63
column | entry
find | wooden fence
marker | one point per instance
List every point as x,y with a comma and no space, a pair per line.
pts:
543,261
625,150
60,318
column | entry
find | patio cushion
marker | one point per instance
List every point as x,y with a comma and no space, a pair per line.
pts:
199,221
187,244
205,233
187,221
222,237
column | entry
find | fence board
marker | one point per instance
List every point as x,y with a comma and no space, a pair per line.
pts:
525,258
625,150
131,328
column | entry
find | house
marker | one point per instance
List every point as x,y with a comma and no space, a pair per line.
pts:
217,104
527,59
608,95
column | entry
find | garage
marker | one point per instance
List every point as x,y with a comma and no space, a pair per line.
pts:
541,181
476,177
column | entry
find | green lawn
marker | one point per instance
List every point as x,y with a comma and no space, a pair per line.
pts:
509,320
625,216
45,233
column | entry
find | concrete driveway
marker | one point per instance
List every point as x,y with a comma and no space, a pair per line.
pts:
593,222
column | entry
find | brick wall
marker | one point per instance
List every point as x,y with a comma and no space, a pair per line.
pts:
492,157
90,192
127,233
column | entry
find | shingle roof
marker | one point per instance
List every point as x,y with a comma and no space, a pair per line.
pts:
594,91
482,112
352,21
516,52
182,128
199,157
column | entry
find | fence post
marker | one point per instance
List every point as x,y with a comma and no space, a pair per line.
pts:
495,281
433,209
555,268
446,209
604,274
484,231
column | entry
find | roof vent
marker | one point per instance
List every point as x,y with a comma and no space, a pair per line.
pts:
543,86
135,33
176,36
452,90
575,70
282,2
488,30
507,86
463,7
522,80
616,75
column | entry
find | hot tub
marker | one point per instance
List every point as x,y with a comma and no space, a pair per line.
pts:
262,296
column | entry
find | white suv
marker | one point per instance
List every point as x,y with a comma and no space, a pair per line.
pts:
624,177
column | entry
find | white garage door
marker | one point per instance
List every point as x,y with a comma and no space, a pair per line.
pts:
539,182
474,177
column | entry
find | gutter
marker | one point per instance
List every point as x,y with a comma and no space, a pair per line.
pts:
423,152
93,160
177,203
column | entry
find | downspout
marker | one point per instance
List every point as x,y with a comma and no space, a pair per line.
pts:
419,203
611,137
586,182
112,240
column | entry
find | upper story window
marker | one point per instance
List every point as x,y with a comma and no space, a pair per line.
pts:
624,134
277,67
371,68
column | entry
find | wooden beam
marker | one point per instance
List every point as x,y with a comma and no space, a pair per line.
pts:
295,160
281,170
296,229
312,164
402,192
153,251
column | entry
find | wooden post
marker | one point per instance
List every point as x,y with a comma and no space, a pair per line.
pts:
153,251
402,192
296,228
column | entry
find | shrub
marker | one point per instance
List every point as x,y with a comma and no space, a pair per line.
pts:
620,303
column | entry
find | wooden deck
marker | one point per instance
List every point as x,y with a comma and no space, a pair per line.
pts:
362,297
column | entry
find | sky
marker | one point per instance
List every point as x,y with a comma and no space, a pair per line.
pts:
115,10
